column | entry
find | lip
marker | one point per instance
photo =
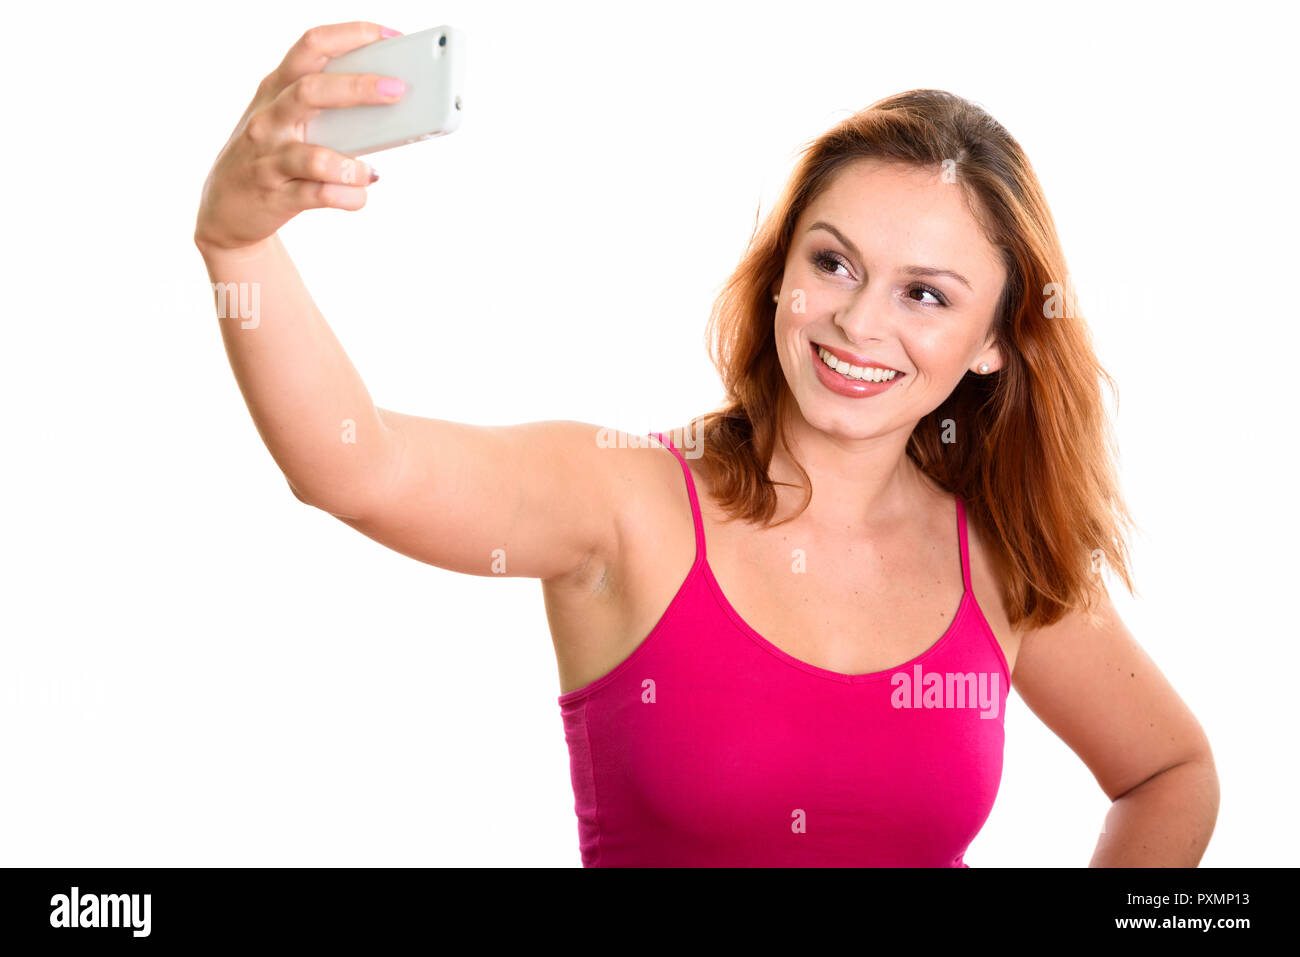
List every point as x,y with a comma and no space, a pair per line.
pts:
853,359
840,385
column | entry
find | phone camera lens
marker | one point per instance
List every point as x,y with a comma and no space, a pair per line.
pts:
442,40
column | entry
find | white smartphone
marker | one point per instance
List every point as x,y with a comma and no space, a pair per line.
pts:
431,63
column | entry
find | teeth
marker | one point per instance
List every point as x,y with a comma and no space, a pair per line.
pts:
856,372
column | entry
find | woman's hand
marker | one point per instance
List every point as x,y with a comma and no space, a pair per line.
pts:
266,173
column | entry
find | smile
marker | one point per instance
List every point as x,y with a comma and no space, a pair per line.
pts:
864,373
857,380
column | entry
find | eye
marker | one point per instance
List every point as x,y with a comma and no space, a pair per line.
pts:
826,261
922,288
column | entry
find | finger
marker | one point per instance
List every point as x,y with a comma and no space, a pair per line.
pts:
318,91
302,194
321,44
304,161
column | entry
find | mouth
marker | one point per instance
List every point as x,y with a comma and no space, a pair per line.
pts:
853,368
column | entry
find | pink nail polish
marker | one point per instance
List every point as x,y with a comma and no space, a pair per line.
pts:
390,86
389,32
373,175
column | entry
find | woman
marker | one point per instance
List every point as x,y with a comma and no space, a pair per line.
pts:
768,669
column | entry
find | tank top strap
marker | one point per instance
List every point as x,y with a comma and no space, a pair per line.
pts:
690,488
961,539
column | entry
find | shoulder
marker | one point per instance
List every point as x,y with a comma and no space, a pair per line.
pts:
651,525
988,582
642,487
631,464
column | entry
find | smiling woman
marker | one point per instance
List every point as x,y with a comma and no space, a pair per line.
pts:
918,229
882,338
750,675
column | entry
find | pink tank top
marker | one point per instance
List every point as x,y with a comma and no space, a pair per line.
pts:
710,746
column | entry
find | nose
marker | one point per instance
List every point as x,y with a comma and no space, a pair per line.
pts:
865,317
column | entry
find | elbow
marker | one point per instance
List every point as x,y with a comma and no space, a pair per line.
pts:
1195,781
296,493
1195,771
347,514
1208,784
1203,777
1200,799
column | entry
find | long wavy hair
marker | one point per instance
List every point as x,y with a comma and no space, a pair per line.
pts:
1035,460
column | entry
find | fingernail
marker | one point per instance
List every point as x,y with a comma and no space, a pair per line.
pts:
373,175
390,86
389,32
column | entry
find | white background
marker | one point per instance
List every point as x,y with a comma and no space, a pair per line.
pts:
199,670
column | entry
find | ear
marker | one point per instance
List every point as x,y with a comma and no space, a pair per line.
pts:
991,354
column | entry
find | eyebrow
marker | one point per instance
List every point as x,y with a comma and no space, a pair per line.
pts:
910,270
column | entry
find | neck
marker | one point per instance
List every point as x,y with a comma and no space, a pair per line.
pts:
858,485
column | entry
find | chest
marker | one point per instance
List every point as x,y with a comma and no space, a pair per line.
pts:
845,606
705,758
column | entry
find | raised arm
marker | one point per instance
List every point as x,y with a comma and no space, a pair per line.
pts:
535,500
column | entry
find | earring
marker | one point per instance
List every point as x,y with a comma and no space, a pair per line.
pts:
984,367
776,297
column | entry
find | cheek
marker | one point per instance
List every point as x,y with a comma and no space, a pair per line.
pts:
935,355
792,315
786,336
787,331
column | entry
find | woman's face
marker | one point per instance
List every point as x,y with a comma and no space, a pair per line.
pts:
888,267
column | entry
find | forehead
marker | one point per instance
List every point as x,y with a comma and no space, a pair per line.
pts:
898,214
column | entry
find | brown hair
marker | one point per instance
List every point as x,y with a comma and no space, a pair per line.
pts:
1035,467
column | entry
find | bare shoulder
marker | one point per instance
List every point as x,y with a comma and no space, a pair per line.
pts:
653,512
599,613
986,572
644,491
